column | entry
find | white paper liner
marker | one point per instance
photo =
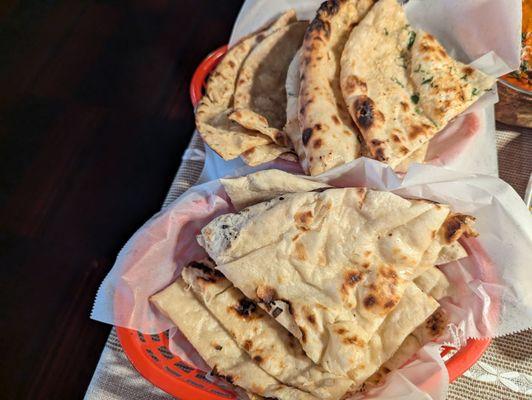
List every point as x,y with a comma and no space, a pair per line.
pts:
488,302
485,33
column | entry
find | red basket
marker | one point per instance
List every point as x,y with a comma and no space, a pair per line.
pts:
151,356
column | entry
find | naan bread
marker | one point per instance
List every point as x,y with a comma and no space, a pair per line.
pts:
216,346
400,85
328,136
417,156
224,136
260,98
450,252
265,185
429,330
433,282
326,257
263,154
258,334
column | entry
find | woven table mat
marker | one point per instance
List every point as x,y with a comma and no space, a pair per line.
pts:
503,372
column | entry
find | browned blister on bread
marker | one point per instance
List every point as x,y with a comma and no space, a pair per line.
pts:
328,136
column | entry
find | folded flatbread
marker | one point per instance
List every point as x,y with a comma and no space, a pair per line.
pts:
258,334
228,138
260,98
332,264
400,85
291,126
265,185
216,346
264,153
429,330
328,136
268,184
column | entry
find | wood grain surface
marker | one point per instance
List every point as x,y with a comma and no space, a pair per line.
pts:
94,117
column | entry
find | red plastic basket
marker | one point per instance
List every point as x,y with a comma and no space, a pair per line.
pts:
150,355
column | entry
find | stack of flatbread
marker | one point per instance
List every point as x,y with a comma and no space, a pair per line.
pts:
364,83
243,110
313,291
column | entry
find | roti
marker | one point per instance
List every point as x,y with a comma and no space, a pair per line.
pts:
400,85
260,98
328,136
225,137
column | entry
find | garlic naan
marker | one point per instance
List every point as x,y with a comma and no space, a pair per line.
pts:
400,85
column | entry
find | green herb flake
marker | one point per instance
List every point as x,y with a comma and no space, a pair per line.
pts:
398,82
433,123
427,80
402,57
386,31
464,77
418,110
415,98
474,92
418,68
411,39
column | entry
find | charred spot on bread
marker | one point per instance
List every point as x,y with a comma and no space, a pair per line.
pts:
329,8
354,83
266,294
456,225
228,378
203,267
418,130
312,319
370,301
436,323
351,340
467,70
352,278
341,331
317,143
245,307
300,251
376,148
248,344
303,218
364,112
305,135
390,304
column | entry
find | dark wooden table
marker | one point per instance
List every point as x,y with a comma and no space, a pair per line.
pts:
94,117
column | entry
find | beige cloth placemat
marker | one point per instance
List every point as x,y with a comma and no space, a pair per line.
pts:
503,372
